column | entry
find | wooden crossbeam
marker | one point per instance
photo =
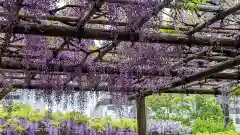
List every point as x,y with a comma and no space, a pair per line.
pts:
202,84
215,58
4,92
100,34
198,76
109,88
18,67
52,48
218,76
226,76
214,19
73,20
231,52
22,56
198,55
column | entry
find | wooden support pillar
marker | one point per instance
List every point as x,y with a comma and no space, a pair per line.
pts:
141,115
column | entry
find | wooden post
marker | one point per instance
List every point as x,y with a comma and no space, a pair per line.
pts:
141,115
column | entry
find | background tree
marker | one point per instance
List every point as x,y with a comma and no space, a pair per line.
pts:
192,110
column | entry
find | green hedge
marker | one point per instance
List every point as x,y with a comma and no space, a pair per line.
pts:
219,133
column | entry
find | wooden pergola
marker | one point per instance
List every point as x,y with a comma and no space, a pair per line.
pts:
22,70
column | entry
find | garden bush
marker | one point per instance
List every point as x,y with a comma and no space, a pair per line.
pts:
211,126
219,133
22,119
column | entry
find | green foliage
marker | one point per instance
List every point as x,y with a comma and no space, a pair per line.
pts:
56,118
21,111
212,126
126,124
170,106
169,31
198,111
206,108
3,114
231,132
1,129
20,129
236,90
25,111
193,110
193,5
98,124
12,123
79,118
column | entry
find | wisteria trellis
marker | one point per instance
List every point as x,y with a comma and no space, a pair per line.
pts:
50,47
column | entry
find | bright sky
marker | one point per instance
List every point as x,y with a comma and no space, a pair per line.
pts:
61,3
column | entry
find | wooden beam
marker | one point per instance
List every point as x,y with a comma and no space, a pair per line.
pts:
226,76
216,18
200,54
215,58
52,48
105,88
23,71
66,19
219,76
18,66
230,52
100,34
198,76
202,86
212,58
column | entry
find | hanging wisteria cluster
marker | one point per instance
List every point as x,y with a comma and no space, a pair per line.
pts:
54,62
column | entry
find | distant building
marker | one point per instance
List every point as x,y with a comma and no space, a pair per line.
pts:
234,109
